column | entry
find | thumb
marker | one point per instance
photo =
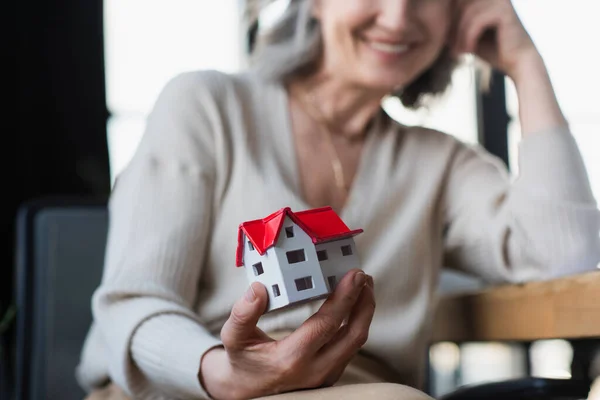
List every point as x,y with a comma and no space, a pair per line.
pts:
241,325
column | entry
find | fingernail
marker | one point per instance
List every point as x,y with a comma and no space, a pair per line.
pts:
250,294
370,281
360,279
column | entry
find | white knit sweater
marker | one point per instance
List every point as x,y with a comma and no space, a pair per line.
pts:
218,150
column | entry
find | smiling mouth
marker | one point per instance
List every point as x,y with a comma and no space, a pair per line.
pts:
389,48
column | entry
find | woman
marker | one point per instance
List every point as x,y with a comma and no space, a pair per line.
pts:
305,128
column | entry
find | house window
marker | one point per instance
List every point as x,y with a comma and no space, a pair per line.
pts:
289,231
258,269
332,280
322,255
347,250
304,283
276,292
295,256
250,245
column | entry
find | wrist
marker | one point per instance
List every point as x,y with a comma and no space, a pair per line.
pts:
529,67
214,373
539,109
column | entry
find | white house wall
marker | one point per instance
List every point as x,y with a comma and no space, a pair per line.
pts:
309,267
271,276
337,264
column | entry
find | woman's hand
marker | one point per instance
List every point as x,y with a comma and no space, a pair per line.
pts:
492,30
251,364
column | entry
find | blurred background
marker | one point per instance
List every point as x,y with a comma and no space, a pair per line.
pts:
89,72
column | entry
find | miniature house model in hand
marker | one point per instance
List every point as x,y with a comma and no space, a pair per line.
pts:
297,256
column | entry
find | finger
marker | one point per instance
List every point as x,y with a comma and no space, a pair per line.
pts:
468,13
318,330
240,327
329,366
339,362
336,374
458,10
473,28
356,333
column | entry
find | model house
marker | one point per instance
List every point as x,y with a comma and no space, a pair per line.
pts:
298,256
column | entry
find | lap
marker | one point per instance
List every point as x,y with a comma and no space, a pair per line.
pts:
109,392
363,378
379,391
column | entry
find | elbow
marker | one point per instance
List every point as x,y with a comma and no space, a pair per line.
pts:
106,302
567,246
580,256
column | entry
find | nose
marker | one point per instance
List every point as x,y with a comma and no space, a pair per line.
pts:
396,15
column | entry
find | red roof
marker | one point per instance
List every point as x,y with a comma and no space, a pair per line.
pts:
321,224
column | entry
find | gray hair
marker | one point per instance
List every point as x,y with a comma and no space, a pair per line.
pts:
293,47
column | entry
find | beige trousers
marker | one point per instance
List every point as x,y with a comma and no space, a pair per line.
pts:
361,391
363,378
379,391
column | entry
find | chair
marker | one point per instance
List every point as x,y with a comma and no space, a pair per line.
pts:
60,246
60,253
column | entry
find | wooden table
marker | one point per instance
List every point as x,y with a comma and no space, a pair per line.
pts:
566,308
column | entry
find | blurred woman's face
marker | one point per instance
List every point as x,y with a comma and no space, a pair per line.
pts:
382,44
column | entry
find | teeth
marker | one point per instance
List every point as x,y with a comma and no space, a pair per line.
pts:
389,48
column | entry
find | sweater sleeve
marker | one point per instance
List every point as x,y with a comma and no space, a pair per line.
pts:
542,225
159,222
